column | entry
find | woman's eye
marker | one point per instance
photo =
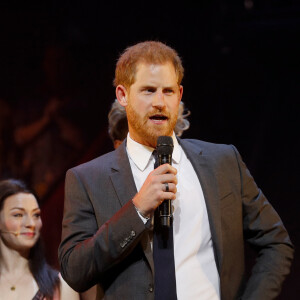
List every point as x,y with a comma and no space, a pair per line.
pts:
18,215
37,215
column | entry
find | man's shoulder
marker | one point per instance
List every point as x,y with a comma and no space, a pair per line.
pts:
98,164
216,154
205,147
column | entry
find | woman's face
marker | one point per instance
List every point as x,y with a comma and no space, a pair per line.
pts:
20,221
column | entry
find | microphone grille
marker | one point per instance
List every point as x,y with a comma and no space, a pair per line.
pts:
164,145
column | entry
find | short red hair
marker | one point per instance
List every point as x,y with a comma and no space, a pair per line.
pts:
149,52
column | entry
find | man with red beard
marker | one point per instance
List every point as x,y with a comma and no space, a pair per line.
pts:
108,237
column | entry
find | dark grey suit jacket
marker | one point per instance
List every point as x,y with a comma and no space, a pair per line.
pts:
105,242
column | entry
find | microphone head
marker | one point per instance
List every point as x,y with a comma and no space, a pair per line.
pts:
164,145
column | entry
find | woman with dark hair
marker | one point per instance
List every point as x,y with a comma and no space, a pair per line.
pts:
24,273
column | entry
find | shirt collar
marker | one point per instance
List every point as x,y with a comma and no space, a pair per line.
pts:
141,154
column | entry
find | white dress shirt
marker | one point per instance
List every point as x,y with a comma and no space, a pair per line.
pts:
196,272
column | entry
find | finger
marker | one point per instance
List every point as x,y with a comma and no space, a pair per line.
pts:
170,178
163,169
168,196
166,187
162,194
169,187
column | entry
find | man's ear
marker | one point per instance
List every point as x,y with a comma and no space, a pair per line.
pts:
180,92
121,94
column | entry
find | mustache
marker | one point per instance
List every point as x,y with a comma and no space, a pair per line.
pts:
162,112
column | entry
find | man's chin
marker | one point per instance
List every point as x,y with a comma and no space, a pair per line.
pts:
153,135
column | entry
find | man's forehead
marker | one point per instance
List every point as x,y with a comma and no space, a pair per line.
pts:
149,72
153,66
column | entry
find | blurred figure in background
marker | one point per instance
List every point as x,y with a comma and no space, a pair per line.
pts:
6,157
118,125
48,144
24,273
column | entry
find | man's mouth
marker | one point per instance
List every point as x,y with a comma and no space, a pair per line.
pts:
158,117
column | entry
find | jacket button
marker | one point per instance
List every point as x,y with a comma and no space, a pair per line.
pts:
150,288
132,233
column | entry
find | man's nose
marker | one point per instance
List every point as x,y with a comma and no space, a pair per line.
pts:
158,100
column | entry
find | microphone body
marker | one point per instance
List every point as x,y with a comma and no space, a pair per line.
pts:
164,151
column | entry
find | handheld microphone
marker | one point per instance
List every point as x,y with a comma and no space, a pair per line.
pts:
164,150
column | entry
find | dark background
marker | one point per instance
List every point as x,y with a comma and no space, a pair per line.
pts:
241,81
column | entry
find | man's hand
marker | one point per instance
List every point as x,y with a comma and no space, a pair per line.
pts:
153,192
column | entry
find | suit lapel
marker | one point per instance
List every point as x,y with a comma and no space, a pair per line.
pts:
124,185
121,176
208,180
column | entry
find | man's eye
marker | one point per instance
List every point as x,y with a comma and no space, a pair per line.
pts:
169,91
149,90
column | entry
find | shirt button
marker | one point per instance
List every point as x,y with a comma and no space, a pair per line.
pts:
132,233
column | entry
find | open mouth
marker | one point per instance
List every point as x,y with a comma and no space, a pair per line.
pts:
158,117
